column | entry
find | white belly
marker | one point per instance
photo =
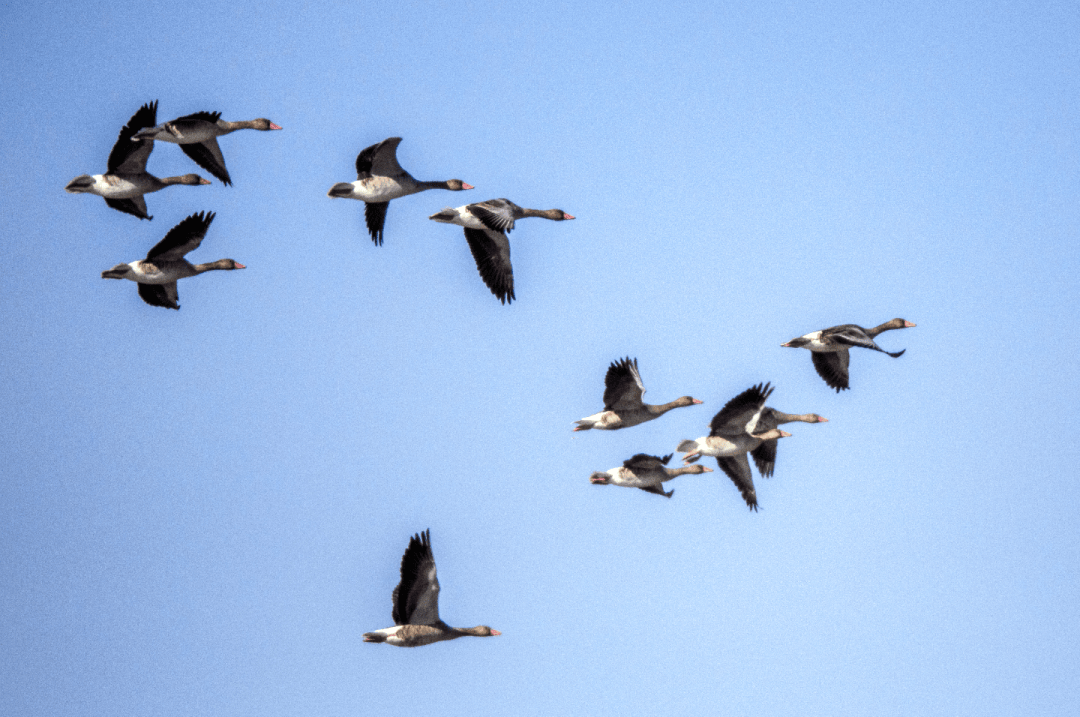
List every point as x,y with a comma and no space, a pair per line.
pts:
379,189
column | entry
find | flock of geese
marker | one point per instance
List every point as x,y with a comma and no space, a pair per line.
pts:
744,427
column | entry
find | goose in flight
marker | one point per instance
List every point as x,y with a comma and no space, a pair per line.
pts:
416,603
486,226
165,264
623,406
829,348
197,135
379,179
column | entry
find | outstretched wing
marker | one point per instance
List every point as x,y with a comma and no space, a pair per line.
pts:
163,295
184,237
644,462
497,214
135,206
128,157
765,457
491,250
375,216
740,414
833,367
208,156
379,160
204,116
658,490
622,386
738,470
416,598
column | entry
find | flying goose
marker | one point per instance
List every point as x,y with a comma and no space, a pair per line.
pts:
623,406
379,178
645,472
197,135
126,180
158,273
829,348
734,431
486,226
416,603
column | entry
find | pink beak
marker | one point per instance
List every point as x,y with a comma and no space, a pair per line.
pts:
240,266
274,126
466,185
495,632
567,216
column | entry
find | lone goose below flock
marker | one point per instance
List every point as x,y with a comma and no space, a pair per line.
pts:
165,264
416,603
486,226
645,472
623,406
197,135
829,348
126,180
379,179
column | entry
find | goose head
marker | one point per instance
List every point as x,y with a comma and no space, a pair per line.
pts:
262,124
456,185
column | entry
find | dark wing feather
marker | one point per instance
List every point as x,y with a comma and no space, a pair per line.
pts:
379,160
737,413
497,214
643,461
623,388
491,250
184,237
204,116
658,490
738,470
416,598
765,457
163,295
135,206
375,215
833,367
208,156
129,157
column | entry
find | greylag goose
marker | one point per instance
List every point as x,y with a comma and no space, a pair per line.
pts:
734,431
379,178
829,348
765,454
486,226
158,273
623,406
645,472
197,135
416,603
126,180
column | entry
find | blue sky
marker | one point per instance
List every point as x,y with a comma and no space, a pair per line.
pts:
203,510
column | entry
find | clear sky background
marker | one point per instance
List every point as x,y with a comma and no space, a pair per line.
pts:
202,511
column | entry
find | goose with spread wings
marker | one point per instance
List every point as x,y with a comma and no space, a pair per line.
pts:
165,264
829,348
126,180
416,603
735,431
197,135
646,472
379,179
623,406
486,226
